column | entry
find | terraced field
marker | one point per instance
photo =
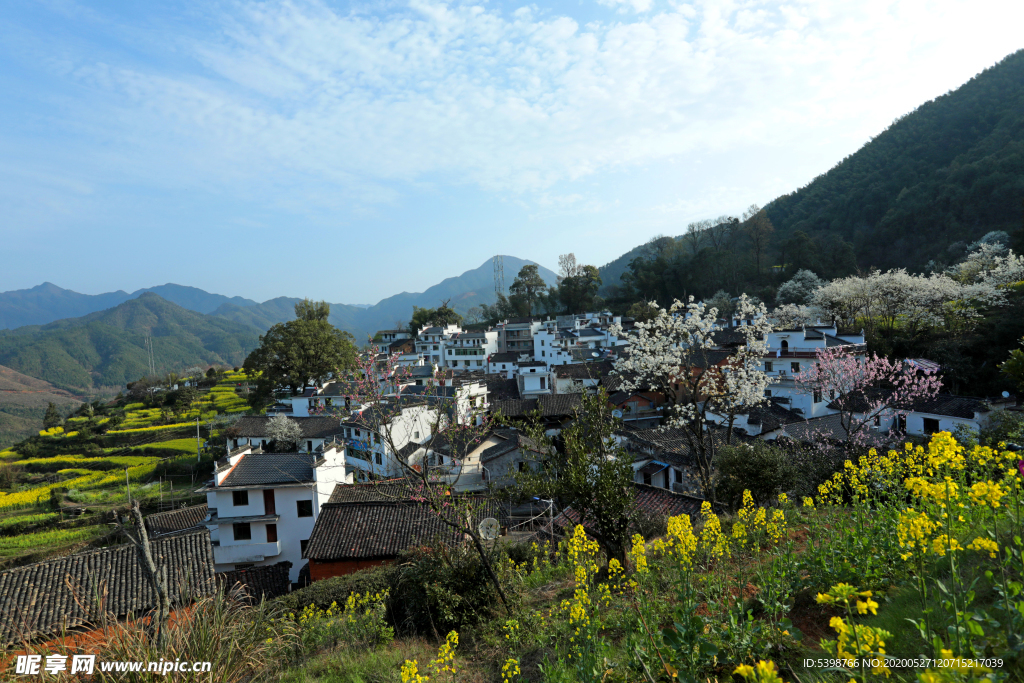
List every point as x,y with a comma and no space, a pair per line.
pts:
57,488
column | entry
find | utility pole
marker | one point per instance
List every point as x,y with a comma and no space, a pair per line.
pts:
128,485
198,451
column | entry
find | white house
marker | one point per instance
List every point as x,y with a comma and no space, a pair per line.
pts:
262,506
385,338
468,351
430,342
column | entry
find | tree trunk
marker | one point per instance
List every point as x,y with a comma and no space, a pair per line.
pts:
157,579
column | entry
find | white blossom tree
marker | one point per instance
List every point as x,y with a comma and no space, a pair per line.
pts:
284,433
799,288
675,354
792,316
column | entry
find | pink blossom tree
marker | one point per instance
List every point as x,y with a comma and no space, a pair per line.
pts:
867,388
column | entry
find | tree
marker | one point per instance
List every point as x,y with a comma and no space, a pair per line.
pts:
441,316
1012,367
526,289
137,535
799,288
675,355
590,473
291,355
791,317
502,309
643,311
722,302
866,388
759,229
578,292
286,434
53,417
474,314
761,467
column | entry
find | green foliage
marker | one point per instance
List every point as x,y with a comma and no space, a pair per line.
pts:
292,354
526,290
337,589
428,317
108,348
589,473
763,468
53,418
11,546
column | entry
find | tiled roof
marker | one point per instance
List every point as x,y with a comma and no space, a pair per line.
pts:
584,370
161,523
312,427
512,439
267,581
558,405
504,357
533,364
382,530
771,415
951,406
256,469
827,427
650,499
671,444
499,389
40,599
381,491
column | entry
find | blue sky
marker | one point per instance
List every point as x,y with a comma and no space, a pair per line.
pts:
350,151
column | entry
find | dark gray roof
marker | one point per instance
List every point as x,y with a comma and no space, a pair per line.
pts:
396,490
267,581
312,427
590,332
383,530
499,389
951,406
649,499
828,427
558,405
511,440
584,370
771,415
503,357
41,599
533,364
256,469
671,444
161,523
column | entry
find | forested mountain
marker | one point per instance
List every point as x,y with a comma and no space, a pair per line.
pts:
108,348
23,402
47,302
915,196
947,173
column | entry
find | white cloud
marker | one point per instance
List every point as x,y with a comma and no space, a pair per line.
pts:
348,104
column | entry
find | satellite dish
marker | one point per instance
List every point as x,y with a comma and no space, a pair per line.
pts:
489,529
617,413
595,354
1006,394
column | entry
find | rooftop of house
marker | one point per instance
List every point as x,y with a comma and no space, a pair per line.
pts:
41,599
172,521
258,469
373,530
771,415
557,405
255,426
503,357
389,490
672,444
651,500
593,370
533,364
510,440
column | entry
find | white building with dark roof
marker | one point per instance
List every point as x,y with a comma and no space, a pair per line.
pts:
468,351
262,506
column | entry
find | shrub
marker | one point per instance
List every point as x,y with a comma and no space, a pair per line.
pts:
760,467
322,594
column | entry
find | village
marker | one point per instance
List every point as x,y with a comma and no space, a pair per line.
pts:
345,474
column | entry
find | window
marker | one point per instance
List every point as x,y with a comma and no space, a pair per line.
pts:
521,466
795,367
679,476
309,446
239,498
817,396
271,533
931,425
542,354
647,478
245,565
376,457
242,531
768,393
415,435
304,508
542,383
542,342
767,366
302,546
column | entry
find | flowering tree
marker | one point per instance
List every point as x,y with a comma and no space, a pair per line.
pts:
792,316
675,355
867,388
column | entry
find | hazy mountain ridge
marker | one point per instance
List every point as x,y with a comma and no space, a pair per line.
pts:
108,348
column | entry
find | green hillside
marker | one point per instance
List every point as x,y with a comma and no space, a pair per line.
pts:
108,348
948,172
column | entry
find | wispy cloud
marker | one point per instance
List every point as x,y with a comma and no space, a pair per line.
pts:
517,102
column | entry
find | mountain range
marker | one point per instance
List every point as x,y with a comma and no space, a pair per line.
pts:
47,303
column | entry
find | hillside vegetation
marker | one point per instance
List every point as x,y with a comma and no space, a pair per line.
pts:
23,402
936,180
108,348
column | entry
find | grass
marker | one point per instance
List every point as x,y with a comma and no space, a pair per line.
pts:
18,520
14,546
61,462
